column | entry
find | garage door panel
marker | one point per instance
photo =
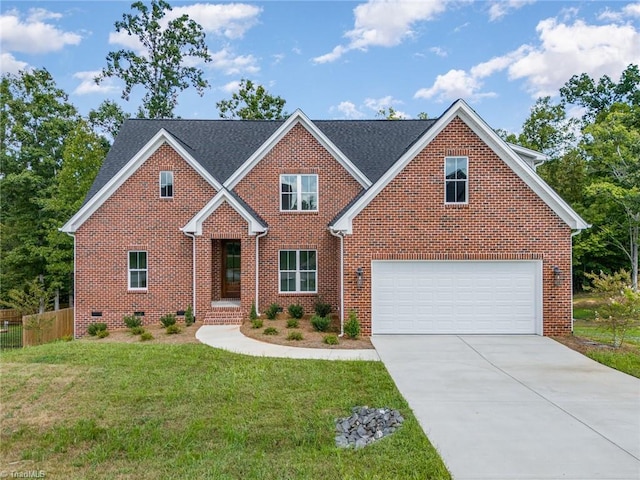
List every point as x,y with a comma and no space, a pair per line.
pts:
455,297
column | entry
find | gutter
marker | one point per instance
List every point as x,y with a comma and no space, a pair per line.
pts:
340,235
257,299
73,235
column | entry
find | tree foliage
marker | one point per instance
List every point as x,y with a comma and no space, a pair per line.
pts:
252,102
165,66
107,119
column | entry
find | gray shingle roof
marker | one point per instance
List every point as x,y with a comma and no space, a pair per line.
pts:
222,146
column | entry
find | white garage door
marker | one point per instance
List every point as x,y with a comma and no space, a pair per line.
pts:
456,297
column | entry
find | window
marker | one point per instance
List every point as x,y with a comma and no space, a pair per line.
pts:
166,184
455,174
298,271
299,193
137,270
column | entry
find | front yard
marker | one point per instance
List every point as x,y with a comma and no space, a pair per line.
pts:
591,339
91,409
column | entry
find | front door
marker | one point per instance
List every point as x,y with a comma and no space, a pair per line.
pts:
230,269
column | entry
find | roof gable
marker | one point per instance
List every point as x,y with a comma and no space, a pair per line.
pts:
460,109
298,117
255,224
96,200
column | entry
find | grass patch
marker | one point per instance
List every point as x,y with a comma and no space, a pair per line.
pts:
112,410
626,361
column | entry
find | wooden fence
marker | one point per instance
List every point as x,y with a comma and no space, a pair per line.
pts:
10,315
56,324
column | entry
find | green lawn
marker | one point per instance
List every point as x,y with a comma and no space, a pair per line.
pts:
625,359
102,411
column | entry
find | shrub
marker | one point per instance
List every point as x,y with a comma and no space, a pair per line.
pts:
295,336
295,311
272,311
67,338
320,324
330,339
189,319
146,336
132,321
292,323
352,326
322,308
102,333
96,327
256,323
137,330
173,329
168,320
270,331
253,314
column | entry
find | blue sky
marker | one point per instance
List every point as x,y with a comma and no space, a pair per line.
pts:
344,59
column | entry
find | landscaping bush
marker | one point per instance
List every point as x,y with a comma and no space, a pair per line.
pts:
96,327
102,333
320,324
256,323
270,331
168,320
272,311
295,336
292,323
146,336
295,310
322,308
352,326
137,330
330,339
173,329
132,321
189,319
67,338
253,314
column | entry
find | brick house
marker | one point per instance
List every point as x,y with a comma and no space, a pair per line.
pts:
420,226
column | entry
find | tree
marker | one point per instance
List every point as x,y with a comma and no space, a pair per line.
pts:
596,97
36,118
107,119
252,102
389,114
165,68
614,148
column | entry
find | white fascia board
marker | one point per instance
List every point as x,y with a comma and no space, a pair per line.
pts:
296,117
499,146
195,224
527,152
161,137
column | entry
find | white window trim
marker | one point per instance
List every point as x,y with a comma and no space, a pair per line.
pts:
466,181
297,272
161,184
299,191
130,270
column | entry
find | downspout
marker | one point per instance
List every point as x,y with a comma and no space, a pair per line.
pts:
258,268
72,235
340,235
193,272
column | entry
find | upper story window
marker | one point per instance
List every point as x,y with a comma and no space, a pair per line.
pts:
137,270
299,193
456,180
166,184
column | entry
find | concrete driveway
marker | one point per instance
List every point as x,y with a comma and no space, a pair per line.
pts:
518,407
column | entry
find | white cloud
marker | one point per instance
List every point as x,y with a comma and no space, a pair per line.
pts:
33,35
88,85
629,10
632,9
231,87
384,24
569,49
377,104
563,51
277,58
225,61
231,20
9,64
348,110
439,51
499,9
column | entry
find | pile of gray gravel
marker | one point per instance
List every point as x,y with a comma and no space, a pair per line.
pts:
366,425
